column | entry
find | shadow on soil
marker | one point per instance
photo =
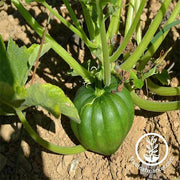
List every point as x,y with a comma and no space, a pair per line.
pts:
17,164
53,70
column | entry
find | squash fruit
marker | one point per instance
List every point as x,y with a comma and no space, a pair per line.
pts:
106,118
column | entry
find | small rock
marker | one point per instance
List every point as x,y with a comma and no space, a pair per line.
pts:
174,82
3,161
73,167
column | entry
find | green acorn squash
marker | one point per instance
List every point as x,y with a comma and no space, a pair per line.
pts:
106,118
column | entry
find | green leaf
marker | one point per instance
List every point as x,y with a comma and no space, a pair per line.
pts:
151,72
163,77
53,99
29,1
22,59
103,1
8,98
5,70
6,91
163,30
16,63
137,82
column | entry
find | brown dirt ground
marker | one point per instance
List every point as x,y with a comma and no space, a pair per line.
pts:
37,163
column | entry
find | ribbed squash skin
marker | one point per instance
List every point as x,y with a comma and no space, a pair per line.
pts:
105,119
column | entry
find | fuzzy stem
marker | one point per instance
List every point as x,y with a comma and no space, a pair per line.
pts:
120,49
130,15
154,106
115,20
104,45
89,21
46,144
114,24
73,16
78,31
153,48
138,28
163,91
131,61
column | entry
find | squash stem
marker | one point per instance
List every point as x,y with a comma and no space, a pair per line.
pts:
153,105
163,91
131,61
104,45
52,147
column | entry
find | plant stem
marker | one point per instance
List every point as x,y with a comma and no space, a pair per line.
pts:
73,16
130,62
38,56
138,28
78,31
155,45
114,24
163,91
46,144
104,45
86,75
118,52
130,15
154,106
115,20
88,20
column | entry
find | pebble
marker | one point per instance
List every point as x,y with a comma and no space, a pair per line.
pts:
3,161
73,167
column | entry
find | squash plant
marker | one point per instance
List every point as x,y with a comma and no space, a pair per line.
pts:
103,110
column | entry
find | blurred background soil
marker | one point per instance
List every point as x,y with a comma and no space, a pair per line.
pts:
35,162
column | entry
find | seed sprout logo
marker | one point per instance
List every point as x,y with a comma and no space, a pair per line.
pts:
151,149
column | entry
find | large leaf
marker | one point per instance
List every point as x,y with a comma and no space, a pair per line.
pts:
6,92
16,63
53,99
22,59
5,70
10,99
